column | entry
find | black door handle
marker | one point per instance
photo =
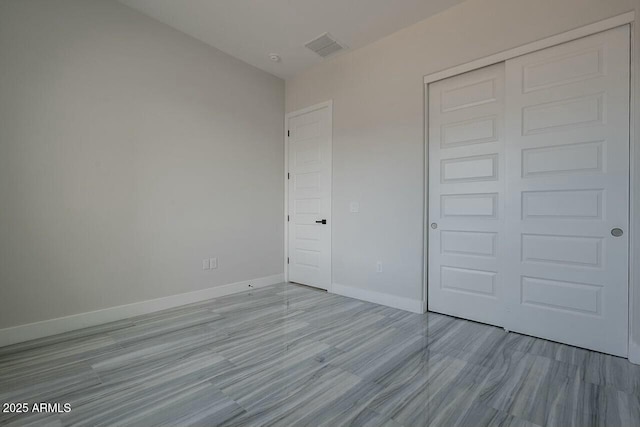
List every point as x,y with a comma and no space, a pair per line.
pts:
324,221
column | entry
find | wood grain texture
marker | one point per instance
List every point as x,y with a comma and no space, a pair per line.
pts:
288,355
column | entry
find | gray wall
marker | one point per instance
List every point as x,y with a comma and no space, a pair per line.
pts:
378,119
128,153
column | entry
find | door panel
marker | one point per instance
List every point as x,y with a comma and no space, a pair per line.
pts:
567,123
528,176
466,197
310,198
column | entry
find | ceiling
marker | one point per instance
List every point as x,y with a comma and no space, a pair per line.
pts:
252,29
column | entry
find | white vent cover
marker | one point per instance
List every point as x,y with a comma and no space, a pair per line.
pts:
324,45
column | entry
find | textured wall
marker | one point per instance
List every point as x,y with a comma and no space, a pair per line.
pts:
128,153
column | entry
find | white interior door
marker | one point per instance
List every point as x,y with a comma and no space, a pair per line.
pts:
309,200
568,188
529,193
466,195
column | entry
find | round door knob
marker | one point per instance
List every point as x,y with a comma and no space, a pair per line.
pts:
434,225
617,232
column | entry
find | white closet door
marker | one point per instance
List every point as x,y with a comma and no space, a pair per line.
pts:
466,195
567,122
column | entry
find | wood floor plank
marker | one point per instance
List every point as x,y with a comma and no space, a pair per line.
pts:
288,355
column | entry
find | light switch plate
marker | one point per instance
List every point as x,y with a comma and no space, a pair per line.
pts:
354,207
213,263
205,264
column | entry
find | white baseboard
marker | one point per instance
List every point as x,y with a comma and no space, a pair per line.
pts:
407,304
634,353
59,325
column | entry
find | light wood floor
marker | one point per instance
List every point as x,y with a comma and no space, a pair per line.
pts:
290,356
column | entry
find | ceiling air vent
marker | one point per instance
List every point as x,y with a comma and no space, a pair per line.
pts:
324,45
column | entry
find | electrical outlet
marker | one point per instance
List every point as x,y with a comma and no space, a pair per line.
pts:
205,264
213,263
379,267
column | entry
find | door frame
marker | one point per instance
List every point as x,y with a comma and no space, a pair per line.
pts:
633,348
327,104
